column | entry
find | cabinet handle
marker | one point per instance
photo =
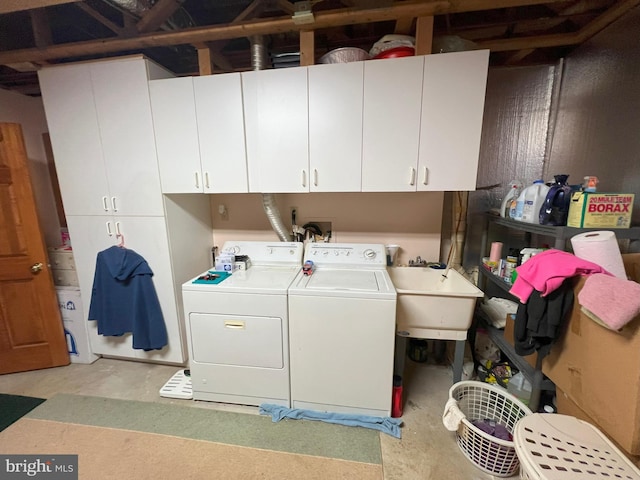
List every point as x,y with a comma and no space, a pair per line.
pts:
206,179
118,229
234,325
304,178
425,180
113,204
105,205
315,177
109,232
197,180
412,180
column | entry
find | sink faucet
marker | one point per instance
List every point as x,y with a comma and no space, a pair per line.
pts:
418,262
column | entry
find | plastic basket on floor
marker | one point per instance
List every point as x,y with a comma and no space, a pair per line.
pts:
481,401
561,447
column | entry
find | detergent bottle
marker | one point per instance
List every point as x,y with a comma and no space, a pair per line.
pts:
534,197
510,196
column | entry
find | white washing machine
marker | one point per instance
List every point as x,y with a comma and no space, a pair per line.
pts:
238,331
342,331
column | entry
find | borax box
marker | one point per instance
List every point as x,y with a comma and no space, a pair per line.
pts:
596,210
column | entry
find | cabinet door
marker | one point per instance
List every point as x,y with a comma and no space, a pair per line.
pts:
391,124
452,110
67,95
277,133
335,127
147,236
176,133
121,95
218,100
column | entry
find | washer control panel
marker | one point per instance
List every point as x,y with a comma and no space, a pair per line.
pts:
346,254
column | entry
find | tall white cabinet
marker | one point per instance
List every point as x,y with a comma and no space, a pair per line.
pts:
99,119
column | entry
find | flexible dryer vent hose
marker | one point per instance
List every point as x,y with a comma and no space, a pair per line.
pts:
258,61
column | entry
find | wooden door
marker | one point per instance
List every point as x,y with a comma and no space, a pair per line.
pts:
31,331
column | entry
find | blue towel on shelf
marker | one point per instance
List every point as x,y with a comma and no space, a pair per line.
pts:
387,425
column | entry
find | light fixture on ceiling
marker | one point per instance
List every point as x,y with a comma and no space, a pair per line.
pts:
302,13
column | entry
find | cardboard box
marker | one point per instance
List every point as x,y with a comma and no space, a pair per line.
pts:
599,369
566,406
508,336
600,210
75,325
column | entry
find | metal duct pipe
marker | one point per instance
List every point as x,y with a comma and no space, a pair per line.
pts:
258,62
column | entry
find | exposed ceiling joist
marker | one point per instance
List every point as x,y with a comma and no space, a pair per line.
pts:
118,30
323,19
8,6
159,13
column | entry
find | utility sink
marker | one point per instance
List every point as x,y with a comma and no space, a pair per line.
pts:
433,303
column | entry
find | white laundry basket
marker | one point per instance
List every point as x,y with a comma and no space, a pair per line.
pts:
561,447
481,401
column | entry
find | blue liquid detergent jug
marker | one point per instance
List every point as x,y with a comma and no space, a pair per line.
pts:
555,208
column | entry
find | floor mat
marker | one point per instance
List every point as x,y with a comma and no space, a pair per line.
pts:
12,407
254,431
109,453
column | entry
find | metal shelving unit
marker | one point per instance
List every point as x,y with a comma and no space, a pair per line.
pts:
560,235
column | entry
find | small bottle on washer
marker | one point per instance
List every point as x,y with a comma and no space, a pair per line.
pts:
307,268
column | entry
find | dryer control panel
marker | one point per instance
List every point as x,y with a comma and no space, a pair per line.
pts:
362,255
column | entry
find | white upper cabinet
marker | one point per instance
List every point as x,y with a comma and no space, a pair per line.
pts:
277,130
176,131
391,124
452,110
121,96
220,117
335,127
75,139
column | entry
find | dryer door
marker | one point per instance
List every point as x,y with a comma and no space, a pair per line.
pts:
237,340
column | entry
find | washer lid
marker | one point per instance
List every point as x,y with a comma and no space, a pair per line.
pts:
356,280
344,283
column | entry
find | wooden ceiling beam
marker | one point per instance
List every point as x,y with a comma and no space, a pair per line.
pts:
40,27
159,13
307,47
215,54
117,29
404,26
8,6
562,39
323,19
254,9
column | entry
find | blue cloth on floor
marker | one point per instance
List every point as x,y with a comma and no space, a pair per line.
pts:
387,425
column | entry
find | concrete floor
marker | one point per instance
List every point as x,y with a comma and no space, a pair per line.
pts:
426,451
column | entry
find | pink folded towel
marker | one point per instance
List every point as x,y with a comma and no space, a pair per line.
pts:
614,301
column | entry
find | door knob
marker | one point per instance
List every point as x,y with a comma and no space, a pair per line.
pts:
36,267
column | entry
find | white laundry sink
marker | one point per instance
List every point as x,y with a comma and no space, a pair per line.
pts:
431,305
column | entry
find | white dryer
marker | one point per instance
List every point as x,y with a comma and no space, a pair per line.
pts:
238,331
342,331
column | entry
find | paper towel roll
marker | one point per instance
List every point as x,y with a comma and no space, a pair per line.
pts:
600,248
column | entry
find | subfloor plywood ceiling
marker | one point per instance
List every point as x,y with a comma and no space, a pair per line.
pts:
34,33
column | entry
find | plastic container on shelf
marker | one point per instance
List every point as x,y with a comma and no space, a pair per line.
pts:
516,213
520,388
512,194
534,198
